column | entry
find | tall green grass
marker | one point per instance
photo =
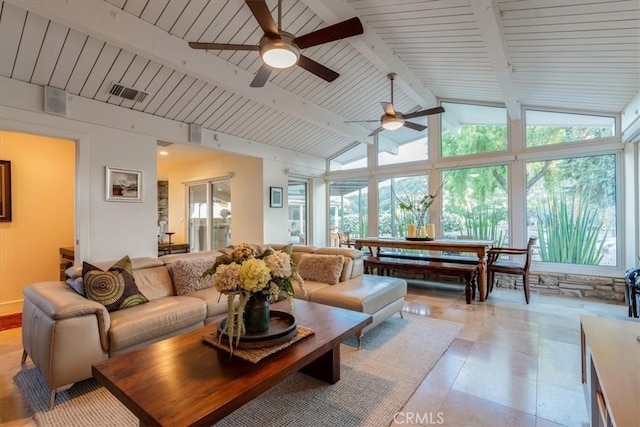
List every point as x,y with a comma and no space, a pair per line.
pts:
570,231
482,224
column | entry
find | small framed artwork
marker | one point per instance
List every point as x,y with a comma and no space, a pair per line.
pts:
275,201
5,191
123,185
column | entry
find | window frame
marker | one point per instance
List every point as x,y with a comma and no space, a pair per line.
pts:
516,156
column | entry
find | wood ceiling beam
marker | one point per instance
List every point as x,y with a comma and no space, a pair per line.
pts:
487,15
372,47
105,22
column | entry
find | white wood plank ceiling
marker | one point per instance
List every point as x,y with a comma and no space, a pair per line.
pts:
565,54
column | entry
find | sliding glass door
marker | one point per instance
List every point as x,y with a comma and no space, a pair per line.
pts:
209,215
297,196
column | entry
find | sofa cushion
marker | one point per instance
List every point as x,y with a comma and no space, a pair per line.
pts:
154,282
158,318
311,286
365,293
216,304
321,268
115,288
187,275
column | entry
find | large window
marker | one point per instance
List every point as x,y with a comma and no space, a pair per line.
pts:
547,128
354,158
475,204
348,207
393,194
571,208
568,197
473,129
402,146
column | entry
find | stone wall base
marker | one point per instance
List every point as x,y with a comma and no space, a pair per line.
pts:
603,289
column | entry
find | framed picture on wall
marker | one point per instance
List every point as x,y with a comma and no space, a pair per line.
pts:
123,185
5,190
275,200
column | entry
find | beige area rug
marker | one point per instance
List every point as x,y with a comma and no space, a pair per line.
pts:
376,381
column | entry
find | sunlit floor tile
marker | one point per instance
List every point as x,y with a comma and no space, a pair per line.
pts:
460,348
498,386
445,371
561,405
463,409
558,350
558,333
560,373
423,406
541,422
490,357
519,341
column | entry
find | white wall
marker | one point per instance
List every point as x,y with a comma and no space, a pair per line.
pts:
276,219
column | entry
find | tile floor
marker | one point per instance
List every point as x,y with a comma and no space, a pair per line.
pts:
512,365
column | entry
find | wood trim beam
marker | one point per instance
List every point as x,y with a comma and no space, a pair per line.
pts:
487,15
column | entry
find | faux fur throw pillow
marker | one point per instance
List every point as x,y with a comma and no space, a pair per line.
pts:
321,268
115,288
187,275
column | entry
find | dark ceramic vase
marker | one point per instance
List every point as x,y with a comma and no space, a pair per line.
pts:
256,315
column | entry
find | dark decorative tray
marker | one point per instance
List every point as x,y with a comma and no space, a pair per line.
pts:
418,239
282,328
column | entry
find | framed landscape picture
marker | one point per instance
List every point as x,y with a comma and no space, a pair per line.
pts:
275,201
123,185
5,190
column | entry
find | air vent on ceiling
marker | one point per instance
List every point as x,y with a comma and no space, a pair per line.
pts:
125,92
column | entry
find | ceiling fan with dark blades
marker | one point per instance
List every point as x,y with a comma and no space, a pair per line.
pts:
280,49
392,119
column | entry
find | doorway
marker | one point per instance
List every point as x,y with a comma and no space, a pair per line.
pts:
43,181
209,207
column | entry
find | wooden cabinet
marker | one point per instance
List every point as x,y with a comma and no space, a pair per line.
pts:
611,370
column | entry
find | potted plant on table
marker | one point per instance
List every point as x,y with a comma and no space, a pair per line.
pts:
254,280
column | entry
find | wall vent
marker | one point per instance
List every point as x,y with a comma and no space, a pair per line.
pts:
125,92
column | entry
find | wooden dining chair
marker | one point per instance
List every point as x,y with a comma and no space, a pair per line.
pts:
518,265
345,240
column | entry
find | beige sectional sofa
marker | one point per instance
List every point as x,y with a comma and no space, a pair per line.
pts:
64,333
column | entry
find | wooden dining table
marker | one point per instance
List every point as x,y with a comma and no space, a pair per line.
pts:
479,247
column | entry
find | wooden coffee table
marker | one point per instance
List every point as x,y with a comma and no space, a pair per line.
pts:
183,381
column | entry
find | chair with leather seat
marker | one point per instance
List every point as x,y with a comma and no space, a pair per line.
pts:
518,263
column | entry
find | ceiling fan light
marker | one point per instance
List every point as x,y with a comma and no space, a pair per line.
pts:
279,53
392,123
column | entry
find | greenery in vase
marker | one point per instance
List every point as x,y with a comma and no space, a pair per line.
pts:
417,205
244,273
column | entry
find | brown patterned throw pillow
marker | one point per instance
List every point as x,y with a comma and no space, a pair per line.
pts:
115,288
321,268
187,275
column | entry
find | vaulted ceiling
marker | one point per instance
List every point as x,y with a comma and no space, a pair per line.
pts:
561,54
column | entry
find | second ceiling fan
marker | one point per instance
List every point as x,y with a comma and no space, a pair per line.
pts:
280,49
392,119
